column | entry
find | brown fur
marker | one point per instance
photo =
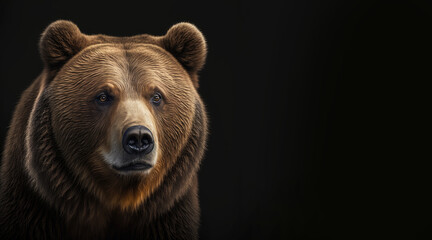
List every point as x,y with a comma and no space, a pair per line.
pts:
54,181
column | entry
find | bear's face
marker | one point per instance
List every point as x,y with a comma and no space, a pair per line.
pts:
121,109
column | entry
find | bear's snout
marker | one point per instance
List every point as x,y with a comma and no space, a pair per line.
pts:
138,140
138,145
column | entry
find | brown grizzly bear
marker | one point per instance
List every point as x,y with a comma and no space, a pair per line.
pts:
107,141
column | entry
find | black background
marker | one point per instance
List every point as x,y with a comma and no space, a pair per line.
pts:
318,109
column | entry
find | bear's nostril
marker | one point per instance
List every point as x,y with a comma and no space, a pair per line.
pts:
138,140
132,141
145,141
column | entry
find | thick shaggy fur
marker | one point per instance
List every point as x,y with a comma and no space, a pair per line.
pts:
54,181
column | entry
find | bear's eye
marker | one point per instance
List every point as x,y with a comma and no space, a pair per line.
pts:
156,99
103,98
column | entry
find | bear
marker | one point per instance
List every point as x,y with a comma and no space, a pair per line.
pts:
107,141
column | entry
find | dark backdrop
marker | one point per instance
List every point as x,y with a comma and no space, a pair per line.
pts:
318,109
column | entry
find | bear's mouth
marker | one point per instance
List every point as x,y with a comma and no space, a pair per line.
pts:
140,166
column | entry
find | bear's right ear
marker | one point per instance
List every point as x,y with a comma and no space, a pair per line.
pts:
60,41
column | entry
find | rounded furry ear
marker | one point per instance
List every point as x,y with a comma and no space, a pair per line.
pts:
60,41
187,44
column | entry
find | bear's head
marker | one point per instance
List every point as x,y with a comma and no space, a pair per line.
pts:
117,117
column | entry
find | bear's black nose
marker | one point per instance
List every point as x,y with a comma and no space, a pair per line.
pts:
138,140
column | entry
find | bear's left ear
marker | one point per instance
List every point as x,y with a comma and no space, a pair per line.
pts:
187,44
60,41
